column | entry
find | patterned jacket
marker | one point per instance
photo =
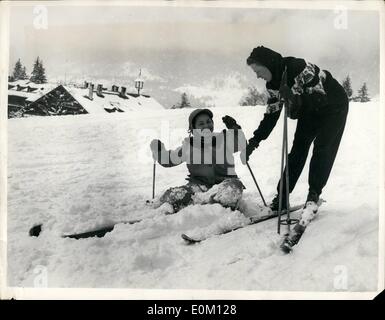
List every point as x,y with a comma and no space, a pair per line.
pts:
316,89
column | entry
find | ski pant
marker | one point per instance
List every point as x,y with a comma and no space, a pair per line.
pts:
227,193
326,133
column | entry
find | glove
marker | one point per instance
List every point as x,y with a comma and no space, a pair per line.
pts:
251,146
230,123
156,147
286,93
295,106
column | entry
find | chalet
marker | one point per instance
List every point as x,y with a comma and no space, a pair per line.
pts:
58,101
21,93
27,99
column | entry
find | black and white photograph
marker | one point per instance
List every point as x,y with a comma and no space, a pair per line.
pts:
194,147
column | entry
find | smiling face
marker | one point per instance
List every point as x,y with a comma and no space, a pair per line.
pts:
261,71
203,121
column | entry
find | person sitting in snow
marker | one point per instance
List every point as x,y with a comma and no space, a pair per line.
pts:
210,162
321,106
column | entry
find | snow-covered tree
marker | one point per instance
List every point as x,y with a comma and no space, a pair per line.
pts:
253,98
38,72
363,95
24,75
19,71
347,85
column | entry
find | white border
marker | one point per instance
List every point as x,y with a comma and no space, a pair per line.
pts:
151,294
381,182
4,58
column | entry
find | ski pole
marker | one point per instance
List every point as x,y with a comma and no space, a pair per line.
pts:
284,160
255,181
153,180
281,180
284,173
237,126
287,187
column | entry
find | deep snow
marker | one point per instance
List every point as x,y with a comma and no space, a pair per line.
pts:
75,173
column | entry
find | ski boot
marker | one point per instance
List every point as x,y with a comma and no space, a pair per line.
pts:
308,213
274,205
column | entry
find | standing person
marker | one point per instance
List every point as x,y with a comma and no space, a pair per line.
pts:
320,105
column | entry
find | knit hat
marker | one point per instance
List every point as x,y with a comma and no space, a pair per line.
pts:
195,113
269,58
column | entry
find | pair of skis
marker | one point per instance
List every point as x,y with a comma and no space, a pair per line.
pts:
288,242
102,231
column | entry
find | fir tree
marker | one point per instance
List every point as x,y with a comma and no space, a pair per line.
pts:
363,93
347,85
23,74
35,70
17,71
184,102
38,72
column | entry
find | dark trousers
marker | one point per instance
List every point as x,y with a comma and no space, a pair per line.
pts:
326,132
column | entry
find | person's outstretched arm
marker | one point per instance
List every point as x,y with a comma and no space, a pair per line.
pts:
269,120
234,134
166,158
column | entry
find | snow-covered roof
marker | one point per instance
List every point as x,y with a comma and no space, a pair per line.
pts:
41,89
111,100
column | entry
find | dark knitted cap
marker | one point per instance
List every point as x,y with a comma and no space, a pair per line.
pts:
265,56
271,59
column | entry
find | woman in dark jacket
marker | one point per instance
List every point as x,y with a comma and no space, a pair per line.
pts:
319,103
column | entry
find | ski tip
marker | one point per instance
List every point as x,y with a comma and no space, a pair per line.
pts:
285,248
189,240
184,236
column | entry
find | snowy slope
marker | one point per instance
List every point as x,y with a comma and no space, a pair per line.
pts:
75,173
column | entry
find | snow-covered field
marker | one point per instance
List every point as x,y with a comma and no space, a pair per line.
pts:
75,173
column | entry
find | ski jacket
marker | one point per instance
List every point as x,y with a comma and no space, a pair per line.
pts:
209,160
316,89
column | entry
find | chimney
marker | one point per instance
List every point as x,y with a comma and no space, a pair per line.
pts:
115,88
123,92
85,84
91,91
99,89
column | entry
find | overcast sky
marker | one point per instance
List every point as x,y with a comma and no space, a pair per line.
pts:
201,51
